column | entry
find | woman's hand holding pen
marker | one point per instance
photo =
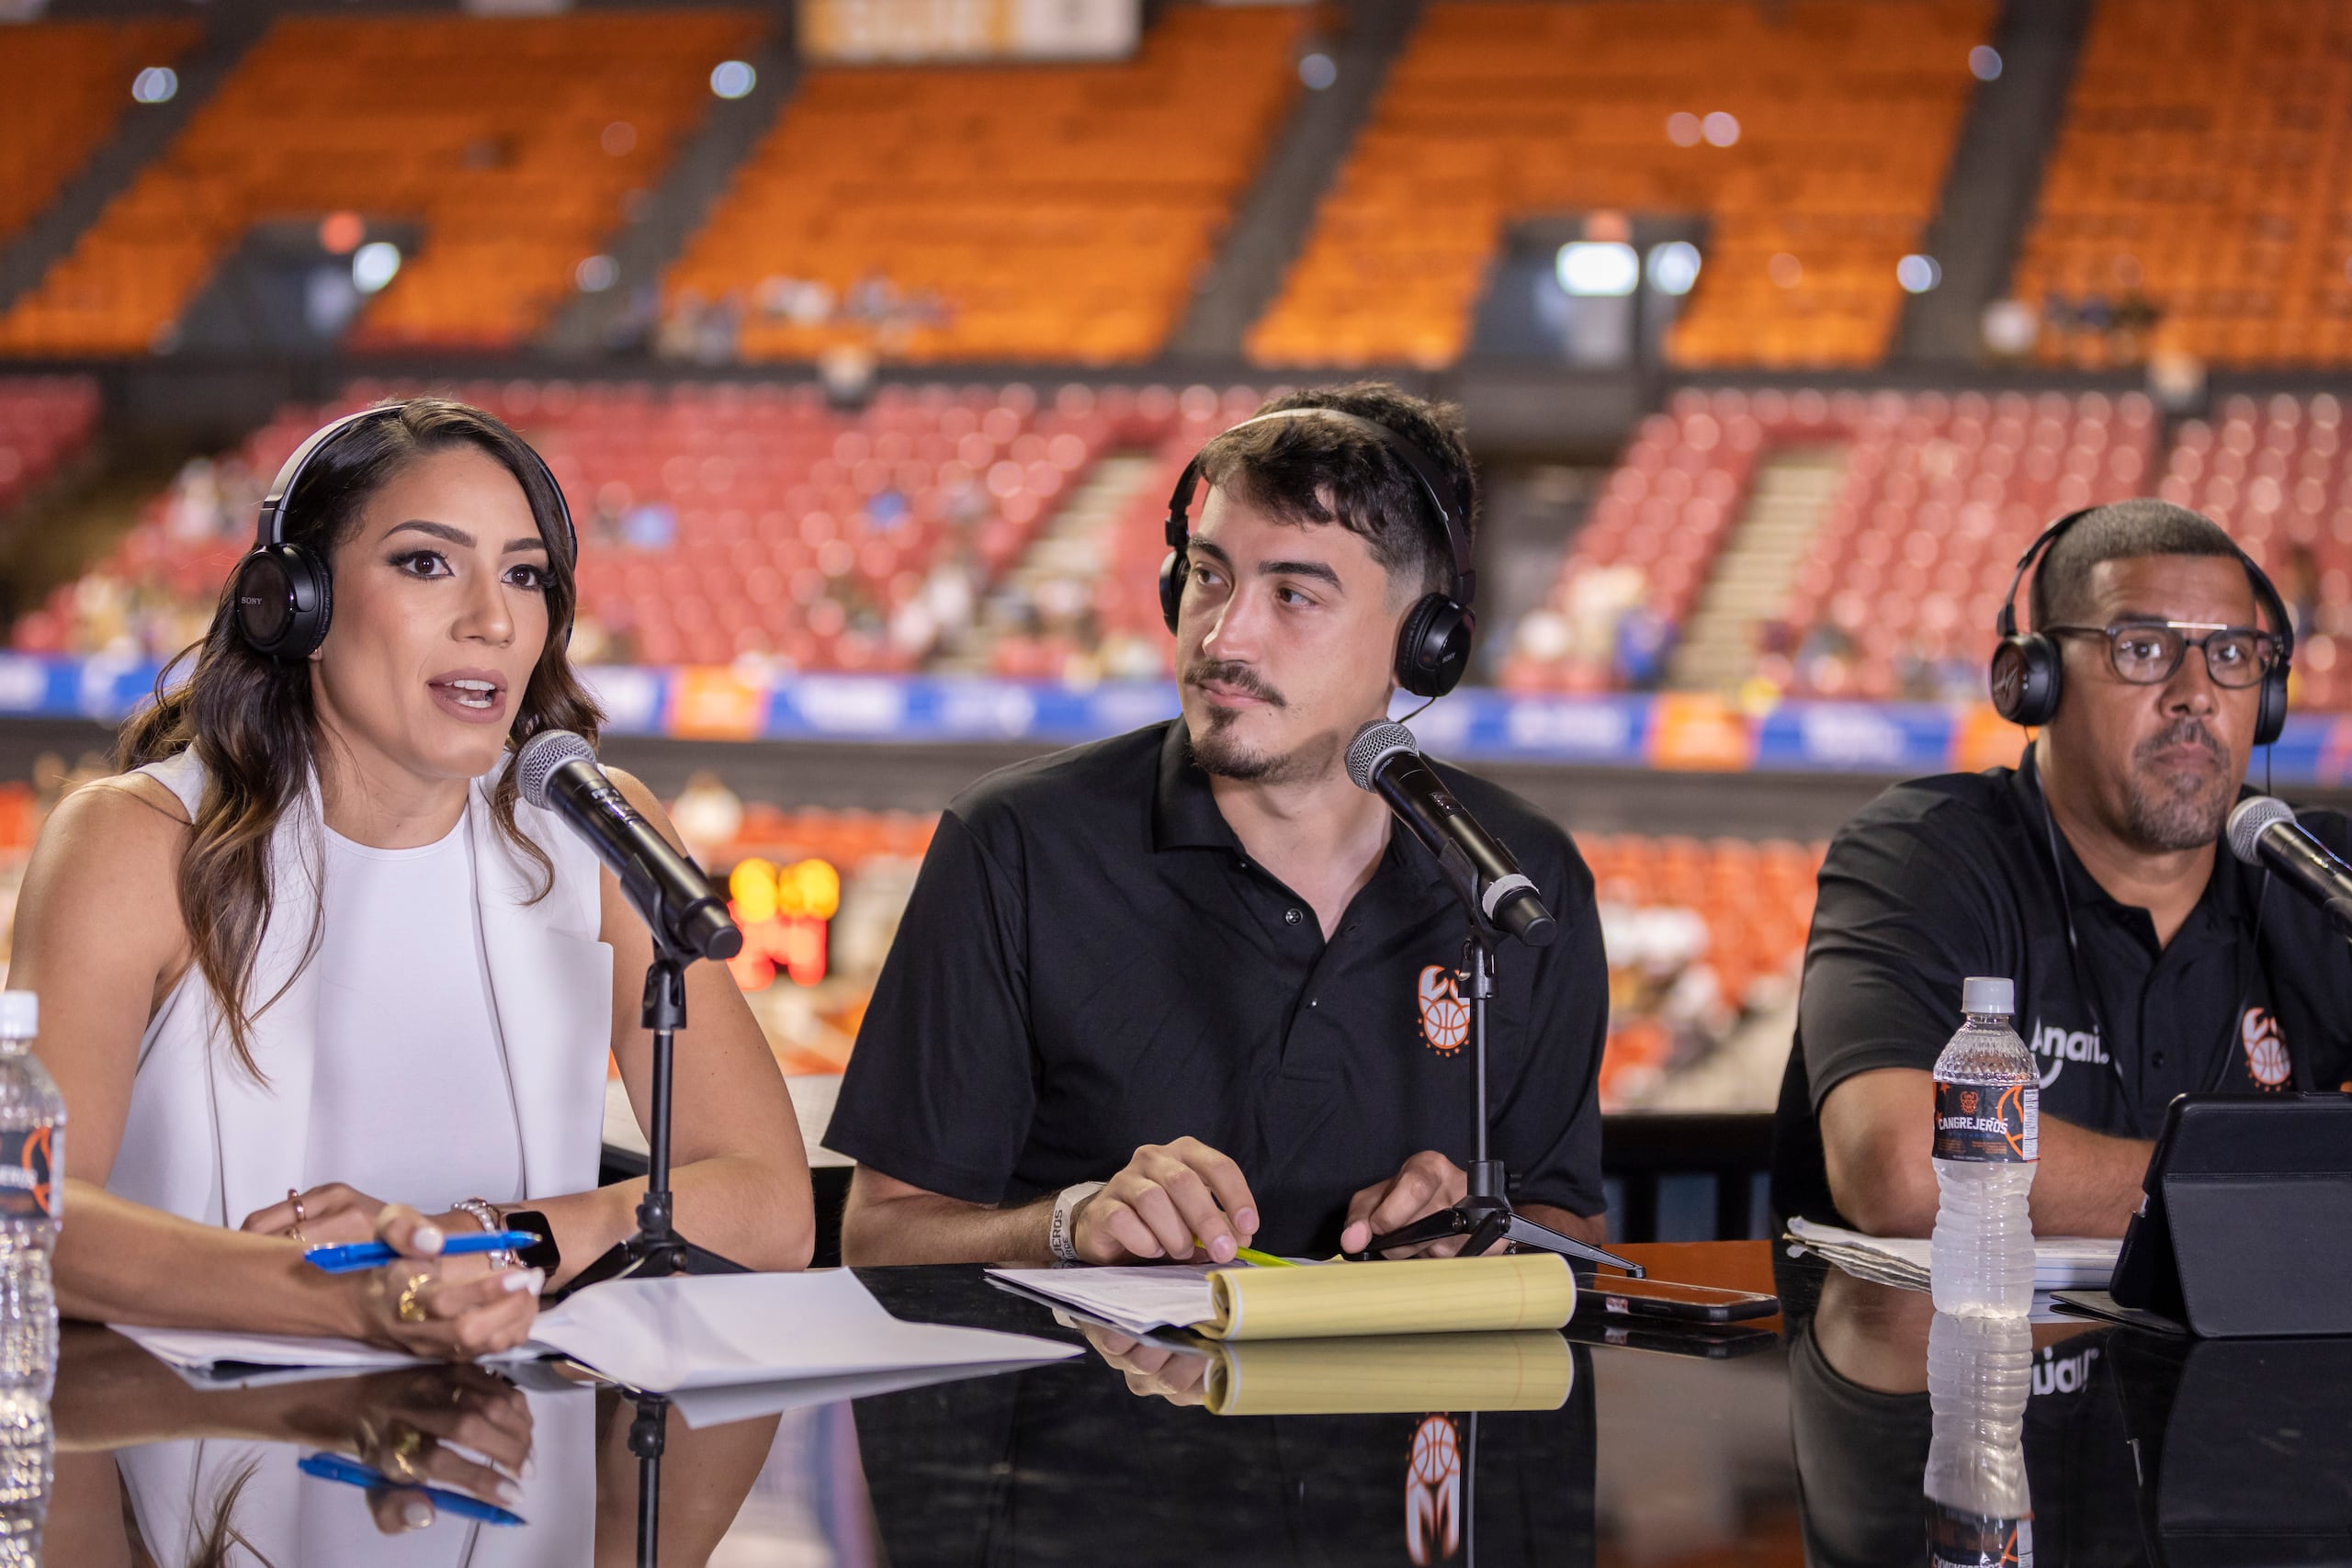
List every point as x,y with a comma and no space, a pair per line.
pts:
329,1215
456,1309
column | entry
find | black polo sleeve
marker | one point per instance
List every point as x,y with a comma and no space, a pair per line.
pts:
1899,921
940,1090
1549,1128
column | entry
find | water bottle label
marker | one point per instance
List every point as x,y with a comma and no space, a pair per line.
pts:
26,1191
1980,1122
1959,1540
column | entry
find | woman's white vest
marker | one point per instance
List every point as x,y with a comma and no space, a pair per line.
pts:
207,1139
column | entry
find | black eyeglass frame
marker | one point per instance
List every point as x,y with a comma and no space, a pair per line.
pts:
2265,644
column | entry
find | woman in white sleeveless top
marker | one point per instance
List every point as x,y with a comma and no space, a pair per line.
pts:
312,971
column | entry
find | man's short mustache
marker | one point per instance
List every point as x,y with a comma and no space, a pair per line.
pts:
2187,731
1240,677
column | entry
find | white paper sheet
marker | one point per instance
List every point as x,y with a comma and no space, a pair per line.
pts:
666,1335
1167,1295
2060,1263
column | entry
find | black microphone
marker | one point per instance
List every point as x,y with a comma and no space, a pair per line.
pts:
1383,758
2264,832
558,772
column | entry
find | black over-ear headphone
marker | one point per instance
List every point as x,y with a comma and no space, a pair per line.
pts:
283,595
1433,645
2027,670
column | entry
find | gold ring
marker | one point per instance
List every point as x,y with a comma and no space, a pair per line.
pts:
295,1199
412,1304
399,1460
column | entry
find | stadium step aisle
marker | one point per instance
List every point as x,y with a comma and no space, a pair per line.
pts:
1754,571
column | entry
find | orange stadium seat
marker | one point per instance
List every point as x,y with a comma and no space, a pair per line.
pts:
495,133
1052,212
2201,179
1501,110
63,87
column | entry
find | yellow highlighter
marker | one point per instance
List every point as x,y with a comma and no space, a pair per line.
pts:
1251,1254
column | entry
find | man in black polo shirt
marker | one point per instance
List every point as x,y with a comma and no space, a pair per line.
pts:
2184,969
1190,984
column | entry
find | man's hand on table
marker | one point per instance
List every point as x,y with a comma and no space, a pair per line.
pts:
1167,1199
1425,1184
1152,1372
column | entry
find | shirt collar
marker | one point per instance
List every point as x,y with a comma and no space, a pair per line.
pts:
1185,814
2227,901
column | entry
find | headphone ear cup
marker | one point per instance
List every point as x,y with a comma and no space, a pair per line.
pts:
283,602
2025,679
2270,717
1171,586
1433,646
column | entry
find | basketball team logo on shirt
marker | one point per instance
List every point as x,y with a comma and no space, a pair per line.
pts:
1433,1493
1446,1017
2266,1052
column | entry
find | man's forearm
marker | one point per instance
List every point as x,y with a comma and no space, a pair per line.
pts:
2088,1183
926,1228
1590,1229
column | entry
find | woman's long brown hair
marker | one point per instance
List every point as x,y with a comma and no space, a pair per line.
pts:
250,719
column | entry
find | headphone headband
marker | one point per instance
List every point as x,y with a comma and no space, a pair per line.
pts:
1451,516
2282,625
270,525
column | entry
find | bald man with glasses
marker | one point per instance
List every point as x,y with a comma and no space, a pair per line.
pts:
2148,961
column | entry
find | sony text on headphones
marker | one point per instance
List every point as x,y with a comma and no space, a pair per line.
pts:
2028,672
282,593
1433,645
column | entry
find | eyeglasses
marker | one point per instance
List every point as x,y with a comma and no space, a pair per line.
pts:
2146,653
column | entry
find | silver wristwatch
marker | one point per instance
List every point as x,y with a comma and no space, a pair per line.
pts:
1063,1236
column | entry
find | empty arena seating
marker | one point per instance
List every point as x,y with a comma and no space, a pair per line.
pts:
2274,473
513,142
1897,590
715,521
64,86
45,421
1035,211
1501,110
2200,179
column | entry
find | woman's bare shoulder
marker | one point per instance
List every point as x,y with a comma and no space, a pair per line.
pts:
122,824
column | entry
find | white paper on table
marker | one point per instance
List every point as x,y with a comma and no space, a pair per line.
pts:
718,1329
2060,1263
1163,1295
666,1335
742,1402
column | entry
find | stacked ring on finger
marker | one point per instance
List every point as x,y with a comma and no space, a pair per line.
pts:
411,1299
399,1460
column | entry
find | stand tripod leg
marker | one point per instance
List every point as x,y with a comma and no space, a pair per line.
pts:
1528,1234
1432,1227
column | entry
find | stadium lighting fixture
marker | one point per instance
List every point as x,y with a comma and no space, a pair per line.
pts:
1785,270
1318,71
156,84
1597,269
733,79
1721,130
1984,62
1917,273
1674,267
1682,129
597,274
374,264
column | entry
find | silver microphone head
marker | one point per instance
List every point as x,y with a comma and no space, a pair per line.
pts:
1374,744
2249,817
541,755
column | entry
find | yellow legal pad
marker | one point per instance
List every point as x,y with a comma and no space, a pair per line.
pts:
1421,1296
1532,1370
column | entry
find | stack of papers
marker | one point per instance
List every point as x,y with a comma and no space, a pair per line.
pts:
667,1335
2060,1263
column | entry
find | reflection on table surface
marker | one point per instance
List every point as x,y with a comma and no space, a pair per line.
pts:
1810,1449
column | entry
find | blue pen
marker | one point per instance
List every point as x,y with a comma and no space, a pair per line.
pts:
352,1257
335,1467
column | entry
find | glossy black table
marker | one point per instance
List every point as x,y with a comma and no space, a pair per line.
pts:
1806,1444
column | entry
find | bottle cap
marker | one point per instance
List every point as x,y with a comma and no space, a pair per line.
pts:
1983,994
19,1015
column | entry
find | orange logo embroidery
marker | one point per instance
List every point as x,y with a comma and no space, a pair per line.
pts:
1433,1493
1446,1017
2266,1052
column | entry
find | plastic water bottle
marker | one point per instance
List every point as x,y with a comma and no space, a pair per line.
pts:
1989,1116
32,1170
1980,1510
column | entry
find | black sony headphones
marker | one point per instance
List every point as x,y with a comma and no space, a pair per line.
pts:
283,595
2026,669
1433,645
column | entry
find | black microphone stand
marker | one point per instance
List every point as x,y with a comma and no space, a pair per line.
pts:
647,1434
1485,1213
657,1250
